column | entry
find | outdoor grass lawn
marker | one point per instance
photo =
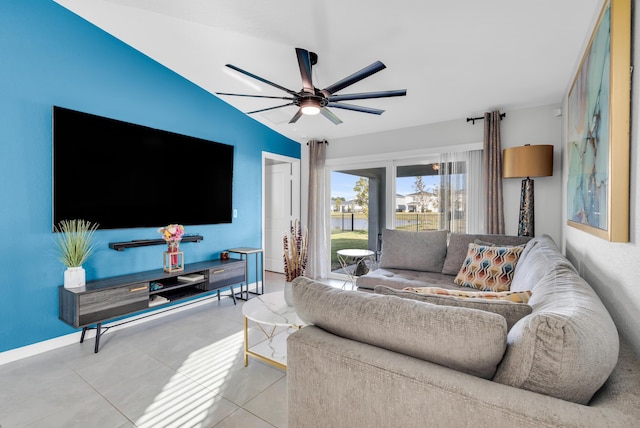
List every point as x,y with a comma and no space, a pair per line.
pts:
340,240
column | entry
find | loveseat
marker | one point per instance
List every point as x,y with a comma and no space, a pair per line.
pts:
393,358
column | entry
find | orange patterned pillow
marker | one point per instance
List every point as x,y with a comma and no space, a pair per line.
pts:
488,268
511,296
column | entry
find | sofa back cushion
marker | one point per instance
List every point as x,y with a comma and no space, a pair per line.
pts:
459,244
512,312
568,346
420,251
467,340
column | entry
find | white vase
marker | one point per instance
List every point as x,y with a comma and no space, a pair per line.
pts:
288,293
74,277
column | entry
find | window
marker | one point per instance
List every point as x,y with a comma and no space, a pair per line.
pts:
438,191
440,195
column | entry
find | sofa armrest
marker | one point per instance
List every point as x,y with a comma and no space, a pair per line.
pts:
338,382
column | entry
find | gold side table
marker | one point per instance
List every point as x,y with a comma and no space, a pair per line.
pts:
270,311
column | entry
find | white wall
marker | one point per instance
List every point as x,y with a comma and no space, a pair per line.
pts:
613,269
538,125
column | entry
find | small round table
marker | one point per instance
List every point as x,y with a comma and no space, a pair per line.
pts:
354,263
269,310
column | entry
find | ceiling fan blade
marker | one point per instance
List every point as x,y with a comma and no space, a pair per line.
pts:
304,62
275,85
356,108
254,96
332,117
367,95
355,77
296,116
269,108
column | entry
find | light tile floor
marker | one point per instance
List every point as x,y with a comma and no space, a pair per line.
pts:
182,370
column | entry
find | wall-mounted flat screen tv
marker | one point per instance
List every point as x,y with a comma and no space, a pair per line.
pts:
122,175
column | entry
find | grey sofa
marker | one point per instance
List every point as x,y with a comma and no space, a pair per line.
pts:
422,259
381,360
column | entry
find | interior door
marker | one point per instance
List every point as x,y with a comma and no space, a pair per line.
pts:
278,213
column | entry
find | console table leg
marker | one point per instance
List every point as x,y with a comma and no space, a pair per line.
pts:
98,334
233,295
246,341
84,330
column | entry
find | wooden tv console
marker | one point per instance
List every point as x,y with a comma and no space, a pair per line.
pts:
110,298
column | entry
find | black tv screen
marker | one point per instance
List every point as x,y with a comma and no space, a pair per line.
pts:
122,175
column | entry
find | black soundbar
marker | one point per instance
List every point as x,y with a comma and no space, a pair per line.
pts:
121,246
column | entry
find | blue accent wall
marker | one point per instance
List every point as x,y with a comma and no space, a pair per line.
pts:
49,56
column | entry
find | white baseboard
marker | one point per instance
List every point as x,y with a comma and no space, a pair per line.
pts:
70,339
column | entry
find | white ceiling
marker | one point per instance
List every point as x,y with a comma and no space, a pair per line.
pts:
456,58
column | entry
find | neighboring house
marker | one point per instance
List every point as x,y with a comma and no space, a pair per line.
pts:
350,207
422,202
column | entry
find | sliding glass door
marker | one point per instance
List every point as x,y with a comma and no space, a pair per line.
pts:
357,210
433,192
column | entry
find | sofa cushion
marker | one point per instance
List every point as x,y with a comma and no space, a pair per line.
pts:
512,312
467,340
488,268
421,251
399,278
568,346
459,244
532,269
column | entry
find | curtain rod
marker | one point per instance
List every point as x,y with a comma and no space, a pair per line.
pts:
473,119
319,141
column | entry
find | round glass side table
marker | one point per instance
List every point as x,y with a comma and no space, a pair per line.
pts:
354,263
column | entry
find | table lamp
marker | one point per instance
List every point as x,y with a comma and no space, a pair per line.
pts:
525,162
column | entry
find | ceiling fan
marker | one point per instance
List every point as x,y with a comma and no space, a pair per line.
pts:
312,100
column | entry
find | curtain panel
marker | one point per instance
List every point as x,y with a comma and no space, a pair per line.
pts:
318,210
494,213
461,191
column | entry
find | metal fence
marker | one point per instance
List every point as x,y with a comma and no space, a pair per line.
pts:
414,222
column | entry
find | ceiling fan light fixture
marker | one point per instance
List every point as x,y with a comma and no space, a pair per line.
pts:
309,107
311,100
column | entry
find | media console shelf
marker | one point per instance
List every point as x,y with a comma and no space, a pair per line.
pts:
110,298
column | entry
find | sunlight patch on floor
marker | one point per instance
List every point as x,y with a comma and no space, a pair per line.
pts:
180,404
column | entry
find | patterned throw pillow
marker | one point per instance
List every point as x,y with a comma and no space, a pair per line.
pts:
510,296
488,268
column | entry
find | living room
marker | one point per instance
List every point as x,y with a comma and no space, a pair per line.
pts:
51,56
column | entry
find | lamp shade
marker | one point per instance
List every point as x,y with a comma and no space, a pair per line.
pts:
527,161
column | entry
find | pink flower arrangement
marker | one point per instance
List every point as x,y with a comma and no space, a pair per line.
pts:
172,233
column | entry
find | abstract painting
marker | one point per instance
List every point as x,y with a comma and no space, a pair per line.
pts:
598,130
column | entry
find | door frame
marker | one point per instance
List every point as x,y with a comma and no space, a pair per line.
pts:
295,186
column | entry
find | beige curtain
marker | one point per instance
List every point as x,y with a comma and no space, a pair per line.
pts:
494,214
318,211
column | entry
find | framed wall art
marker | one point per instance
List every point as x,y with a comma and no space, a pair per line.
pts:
598,129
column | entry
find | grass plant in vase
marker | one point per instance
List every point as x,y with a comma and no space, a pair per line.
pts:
74,242
295,257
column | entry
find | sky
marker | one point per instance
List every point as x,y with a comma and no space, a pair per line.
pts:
343,184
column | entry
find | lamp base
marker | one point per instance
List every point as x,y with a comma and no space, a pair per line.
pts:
526,220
